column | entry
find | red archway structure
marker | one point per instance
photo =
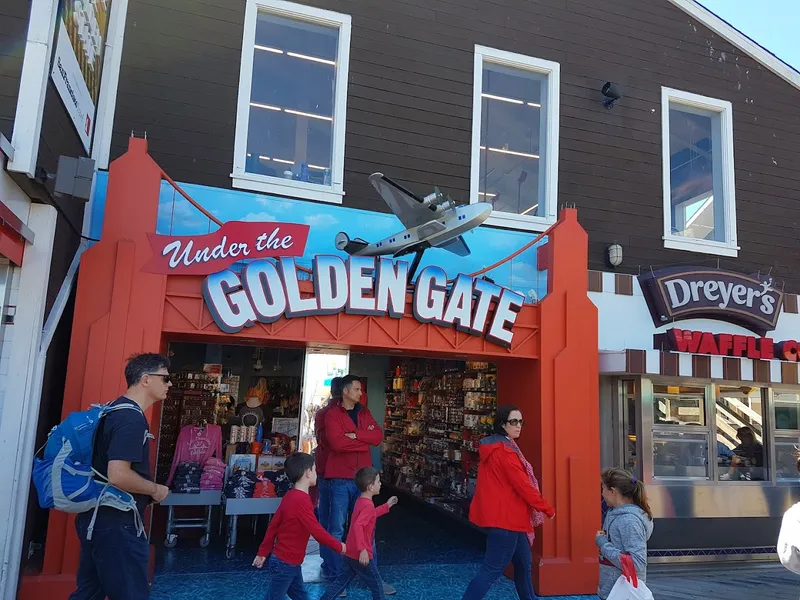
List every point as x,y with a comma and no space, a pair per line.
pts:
551,370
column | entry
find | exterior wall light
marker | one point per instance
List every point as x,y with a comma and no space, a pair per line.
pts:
614,255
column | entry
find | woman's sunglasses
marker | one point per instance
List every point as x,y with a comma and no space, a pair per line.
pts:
516,422
166,378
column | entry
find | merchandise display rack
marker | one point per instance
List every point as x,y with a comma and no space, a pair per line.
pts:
436,413
192,399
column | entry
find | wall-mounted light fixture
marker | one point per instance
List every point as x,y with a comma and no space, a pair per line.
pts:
611,93
614,255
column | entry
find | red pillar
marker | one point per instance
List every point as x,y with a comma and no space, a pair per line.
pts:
118,312
564,445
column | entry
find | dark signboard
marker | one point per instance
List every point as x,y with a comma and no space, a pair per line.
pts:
679,293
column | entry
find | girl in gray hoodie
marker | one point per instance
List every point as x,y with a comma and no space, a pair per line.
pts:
626,529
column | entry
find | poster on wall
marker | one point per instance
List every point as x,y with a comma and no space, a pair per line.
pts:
78,61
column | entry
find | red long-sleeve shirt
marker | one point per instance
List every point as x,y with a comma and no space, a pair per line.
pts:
288,532
362,529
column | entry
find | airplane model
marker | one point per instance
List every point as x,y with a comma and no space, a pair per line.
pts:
434,221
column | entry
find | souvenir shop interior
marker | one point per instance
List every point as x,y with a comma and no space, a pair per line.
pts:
235,412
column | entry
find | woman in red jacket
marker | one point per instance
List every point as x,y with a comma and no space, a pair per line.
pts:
508,504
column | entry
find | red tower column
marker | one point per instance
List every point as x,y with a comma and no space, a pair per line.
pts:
118,312
564,447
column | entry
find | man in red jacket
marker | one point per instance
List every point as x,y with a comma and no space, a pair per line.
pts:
351,431
323,485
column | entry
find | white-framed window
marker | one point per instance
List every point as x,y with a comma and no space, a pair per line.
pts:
515,113
698,173
290,121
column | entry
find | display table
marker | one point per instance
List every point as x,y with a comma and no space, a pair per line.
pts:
234,507
207,498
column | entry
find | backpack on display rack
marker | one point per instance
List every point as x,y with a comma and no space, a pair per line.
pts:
64,478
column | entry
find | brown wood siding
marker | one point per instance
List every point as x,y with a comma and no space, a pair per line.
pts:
410,108
13,31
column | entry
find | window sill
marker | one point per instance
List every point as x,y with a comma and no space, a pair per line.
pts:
520,222
288,188
701,246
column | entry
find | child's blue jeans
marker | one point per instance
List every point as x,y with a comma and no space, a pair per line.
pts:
352,569
285,580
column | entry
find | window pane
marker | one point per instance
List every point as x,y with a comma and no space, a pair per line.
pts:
787,452
680,454
696,173
292,100
740,435
630,420
678,405
787,411
513,140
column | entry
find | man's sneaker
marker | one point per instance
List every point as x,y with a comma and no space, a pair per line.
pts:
725,477
388,590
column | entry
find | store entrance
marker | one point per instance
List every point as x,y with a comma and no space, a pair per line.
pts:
242,409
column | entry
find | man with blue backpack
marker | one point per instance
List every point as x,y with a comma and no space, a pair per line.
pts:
111,496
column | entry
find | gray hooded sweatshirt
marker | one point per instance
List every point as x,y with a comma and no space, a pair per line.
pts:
627,530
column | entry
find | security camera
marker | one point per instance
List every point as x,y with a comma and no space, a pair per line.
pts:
611,93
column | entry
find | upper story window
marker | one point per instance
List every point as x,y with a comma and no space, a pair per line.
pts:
290,121
515,138
699,184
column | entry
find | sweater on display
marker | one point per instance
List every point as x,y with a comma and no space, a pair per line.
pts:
196,444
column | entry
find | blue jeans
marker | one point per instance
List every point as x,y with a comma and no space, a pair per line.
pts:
285,580
503,547
115,561
352,569
343,494
323,513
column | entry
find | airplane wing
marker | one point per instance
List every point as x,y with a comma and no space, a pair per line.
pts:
456,245
406,205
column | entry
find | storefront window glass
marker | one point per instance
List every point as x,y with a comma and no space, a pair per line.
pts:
680,440
787,435
679,454
678,405
739,435
631,426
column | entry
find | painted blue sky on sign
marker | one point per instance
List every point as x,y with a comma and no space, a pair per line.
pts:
176,216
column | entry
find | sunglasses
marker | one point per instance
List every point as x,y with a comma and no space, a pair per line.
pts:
516,422
166,378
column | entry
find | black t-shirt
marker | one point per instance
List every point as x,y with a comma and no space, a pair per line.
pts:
353,412
123,435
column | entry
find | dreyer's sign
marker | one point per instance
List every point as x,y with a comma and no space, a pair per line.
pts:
233,242
688,293
266,291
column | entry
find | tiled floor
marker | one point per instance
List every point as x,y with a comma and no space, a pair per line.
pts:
432,560
423,559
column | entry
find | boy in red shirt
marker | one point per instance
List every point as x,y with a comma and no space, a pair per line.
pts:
359,555
287,535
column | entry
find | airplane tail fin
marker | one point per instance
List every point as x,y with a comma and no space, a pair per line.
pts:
457,246
354,246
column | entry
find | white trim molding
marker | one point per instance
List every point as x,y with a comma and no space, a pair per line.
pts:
738,39
276,185
33,87
549,165
20,417
109,85
729,246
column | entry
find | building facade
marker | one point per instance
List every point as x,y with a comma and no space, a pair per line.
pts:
52,58
675,137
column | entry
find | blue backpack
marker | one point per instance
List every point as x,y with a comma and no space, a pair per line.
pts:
64,477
